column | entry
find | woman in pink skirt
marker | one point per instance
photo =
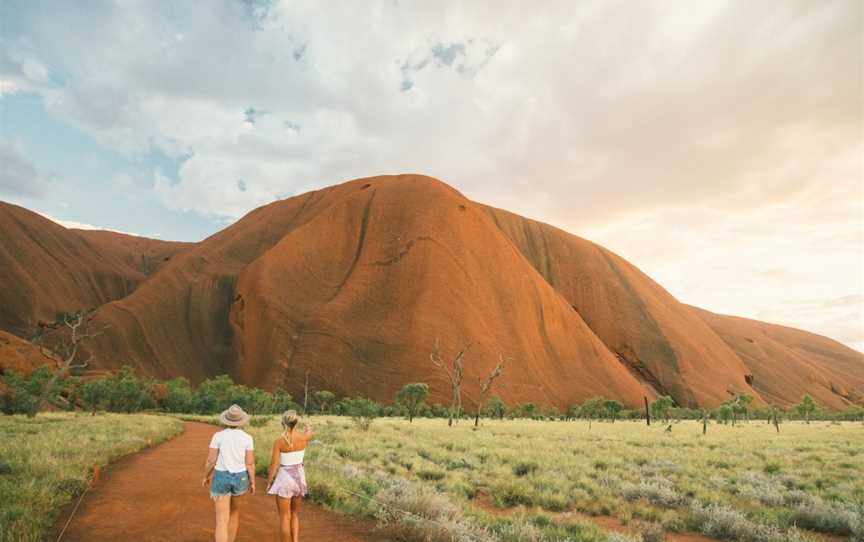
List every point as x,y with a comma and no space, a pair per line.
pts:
286,479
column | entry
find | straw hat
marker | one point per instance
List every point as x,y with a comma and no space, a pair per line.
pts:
234,416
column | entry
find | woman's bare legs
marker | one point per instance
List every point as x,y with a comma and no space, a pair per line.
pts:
234,519
222,506
295,519
284,507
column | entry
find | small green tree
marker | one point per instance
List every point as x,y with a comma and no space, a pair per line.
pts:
437,410
126,392
282,401
741,405
178,395
724,413
591,409
323,400
495,408
25,395
412,397
363,411
612,408
526,410
661,406
95,395
213,395
806,407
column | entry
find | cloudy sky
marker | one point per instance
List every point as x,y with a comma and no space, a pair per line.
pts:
716,145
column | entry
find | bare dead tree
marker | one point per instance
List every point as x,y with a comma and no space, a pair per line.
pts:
454,375
486,386
64,352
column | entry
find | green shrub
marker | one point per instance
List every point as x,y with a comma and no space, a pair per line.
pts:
833,518
24,394
524,468
362,411
428,474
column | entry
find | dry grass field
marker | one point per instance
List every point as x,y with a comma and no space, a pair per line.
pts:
544,480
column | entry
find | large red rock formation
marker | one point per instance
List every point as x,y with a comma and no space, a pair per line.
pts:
48,269
787,363
353,283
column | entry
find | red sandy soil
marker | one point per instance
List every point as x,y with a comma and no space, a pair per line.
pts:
156,495
607,523
354,282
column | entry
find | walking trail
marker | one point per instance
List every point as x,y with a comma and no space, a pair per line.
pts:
156,495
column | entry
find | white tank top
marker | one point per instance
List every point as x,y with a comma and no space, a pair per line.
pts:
287,459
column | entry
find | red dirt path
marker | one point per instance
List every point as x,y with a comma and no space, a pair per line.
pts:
156,495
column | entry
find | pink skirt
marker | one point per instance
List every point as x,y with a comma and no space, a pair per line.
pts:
290,482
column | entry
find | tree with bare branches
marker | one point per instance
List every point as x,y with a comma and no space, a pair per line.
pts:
486,386
63,353
454,374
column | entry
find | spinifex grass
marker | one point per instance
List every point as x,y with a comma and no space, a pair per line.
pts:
48,460
738,479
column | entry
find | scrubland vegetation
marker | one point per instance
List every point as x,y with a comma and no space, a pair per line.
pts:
541,480
47,461
527,473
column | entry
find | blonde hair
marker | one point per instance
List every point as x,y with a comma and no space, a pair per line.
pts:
289,421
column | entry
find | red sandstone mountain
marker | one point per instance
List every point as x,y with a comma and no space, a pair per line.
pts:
353,283
19,355
48,269
787,362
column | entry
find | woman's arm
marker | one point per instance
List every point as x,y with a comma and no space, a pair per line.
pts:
212,455
274,464
250,468
307,429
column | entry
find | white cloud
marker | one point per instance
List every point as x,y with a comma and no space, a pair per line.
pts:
716,145
73,224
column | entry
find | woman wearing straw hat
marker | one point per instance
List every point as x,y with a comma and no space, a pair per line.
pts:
231,455
287,479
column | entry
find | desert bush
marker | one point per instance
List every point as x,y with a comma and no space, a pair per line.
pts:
178,395
410,512
652,532
259,421
656,490
24,394
519,530
510,492
755,486
362,411
428,474
524,468
722,522
843,519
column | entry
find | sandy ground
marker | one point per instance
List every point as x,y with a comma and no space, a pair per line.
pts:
156,495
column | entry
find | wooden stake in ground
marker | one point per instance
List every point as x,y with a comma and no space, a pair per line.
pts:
454,375
647,413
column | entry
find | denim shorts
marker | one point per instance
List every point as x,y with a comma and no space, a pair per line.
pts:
229,483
